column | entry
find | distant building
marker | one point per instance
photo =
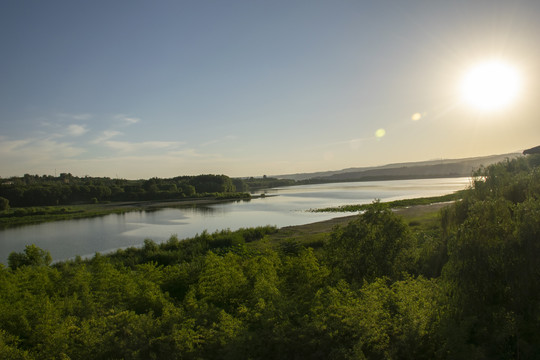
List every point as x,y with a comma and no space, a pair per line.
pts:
534,150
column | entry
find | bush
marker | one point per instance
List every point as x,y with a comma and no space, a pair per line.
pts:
374,245
32,256
4,204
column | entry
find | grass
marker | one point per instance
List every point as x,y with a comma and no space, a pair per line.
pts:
36,215
420,216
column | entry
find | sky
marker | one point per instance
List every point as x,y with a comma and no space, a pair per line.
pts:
139,89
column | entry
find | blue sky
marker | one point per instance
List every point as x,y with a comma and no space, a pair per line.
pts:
137,89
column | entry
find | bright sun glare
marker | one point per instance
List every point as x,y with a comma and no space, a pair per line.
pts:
491,85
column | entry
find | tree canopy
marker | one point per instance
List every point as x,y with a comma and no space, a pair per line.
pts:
35,190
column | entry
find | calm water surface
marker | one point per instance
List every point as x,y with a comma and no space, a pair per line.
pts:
66,239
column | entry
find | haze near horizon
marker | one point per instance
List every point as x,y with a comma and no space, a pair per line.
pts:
137,89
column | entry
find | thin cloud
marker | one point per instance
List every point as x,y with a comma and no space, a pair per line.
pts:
77,117
32,152
146,166
216,141
76,130
8,146
129,159
130,120
133,147
106,135
354,144
220,140
192,153
126,119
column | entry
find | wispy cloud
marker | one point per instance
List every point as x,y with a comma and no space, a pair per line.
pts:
31,153
7,146
146,166
76,130
353,144
128,159
126,119
77,117
106,135
193,154
220,140
133,147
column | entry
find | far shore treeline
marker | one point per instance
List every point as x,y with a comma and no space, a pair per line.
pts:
66,189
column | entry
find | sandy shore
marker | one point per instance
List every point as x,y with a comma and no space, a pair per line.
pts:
327,225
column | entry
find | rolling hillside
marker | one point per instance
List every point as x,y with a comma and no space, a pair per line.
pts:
411,170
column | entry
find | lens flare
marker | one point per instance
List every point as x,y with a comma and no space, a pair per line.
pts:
380,133
416,116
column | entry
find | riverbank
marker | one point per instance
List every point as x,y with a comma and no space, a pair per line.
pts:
37,215
418,217
396,203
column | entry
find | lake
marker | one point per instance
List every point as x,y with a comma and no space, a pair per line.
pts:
287,206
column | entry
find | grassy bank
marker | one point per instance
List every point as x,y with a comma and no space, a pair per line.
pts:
35,215
419,217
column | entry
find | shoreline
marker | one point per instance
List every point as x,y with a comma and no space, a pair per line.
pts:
158,204
310,235
39,215
82,211
407,212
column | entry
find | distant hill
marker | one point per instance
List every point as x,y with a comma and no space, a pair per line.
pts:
410,170
534,150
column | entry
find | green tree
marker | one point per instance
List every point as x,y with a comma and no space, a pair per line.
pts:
492,272
187,190
9,347
32,256
222,280
212,183
376,244
381,320
240,185
4,204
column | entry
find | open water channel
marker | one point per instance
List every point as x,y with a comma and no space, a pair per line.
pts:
85,237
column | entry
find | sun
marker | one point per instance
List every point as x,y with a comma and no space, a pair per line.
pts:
491,85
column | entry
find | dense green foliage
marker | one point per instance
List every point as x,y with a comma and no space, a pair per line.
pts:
4,204
33,190
32,256
34,215
268,182
379,288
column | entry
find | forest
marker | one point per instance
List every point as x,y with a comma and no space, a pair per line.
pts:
66,189
466,286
